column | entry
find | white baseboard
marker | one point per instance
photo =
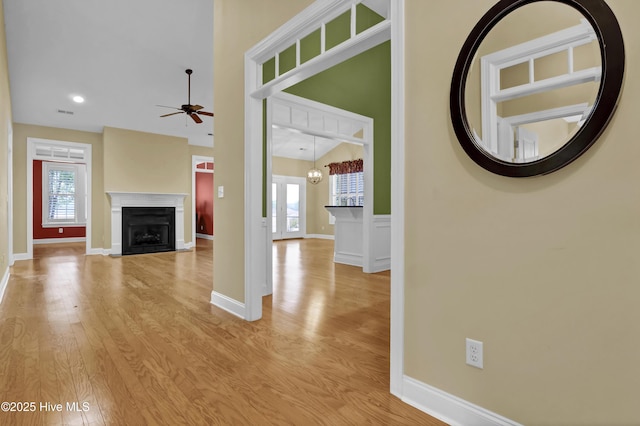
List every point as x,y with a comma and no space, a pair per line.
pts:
3,283
321,236
59,240
188,246
205,236
21,256
449,408
228,304
98,252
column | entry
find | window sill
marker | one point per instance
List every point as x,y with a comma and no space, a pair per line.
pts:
64,225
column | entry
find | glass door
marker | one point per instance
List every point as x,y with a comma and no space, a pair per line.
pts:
288,202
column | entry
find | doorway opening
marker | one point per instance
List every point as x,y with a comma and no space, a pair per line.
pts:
64,168
310,20
202,179
300,134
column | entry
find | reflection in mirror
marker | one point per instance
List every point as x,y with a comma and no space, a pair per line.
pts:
533,82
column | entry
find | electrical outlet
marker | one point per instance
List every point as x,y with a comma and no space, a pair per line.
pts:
60,230
474,353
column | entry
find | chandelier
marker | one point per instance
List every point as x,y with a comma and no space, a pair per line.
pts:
314,176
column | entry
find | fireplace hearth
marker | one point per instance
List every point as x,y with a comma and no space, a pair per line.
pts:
148,230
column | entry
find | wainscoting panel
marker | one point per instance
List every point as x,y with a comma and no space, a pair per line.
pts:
381,243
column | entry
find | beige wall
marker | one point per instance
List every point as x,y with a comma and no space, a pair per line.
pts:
146,162
543,270
238,26
20,134
317,195
5,122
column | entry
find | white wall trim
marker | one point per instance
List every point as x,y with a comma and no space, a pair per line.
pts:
228,304
21,256
59,240
449,408
9,194
3,283
321,236
205,236
99,252
397,197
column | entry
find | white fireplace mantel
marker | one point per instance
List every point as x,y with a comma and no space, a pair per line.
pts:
144,199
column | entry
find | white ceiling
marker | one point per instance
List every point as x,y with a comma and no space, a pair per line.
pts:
298,146
125,57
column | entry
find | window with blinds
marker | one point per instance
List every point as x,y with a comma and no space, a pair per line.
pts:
347,189
63,194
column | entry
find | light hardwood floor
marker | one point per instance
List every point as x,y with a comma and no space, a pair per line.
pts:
136,339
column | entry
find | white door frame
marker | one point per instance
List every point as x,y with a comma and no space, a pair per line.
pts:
255,238
31,144
10,193
195,160
366,140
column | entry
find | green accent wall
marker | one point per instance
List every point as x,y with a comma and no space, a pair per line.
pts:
361,85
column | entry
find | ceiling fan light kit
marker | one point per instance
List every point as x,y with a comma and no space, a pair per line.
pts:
193,111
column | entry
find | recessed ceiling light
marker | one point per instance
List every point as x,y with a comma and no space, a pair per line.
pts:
78,99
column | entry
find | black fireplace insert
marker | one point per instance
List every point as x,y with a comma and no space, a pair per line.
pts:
148,230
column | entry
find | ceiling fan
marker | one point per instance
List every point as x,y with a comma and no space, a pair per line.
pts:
192,111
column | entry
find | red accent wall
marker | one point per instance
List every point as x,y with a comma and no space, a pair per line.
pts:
38,231
204,203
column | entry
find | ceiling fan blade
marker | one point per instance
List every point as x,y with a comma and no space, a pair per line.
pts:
196,107
210,114
196,118
171,113
165,106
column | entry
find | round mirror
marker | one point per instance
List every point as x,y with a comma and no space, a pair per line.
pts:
536,83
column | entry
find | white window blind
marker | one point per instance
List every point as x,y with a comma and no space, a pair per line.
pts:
347,189
63,194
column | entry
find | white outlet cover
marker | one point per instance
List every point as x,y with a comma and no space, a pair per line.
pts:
221,192
475,356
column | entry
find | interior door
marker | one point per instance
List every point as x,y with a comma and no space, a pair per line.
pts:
288,207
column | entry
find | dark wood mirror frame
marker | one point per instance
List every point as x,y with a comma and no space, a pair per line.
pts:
607,29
